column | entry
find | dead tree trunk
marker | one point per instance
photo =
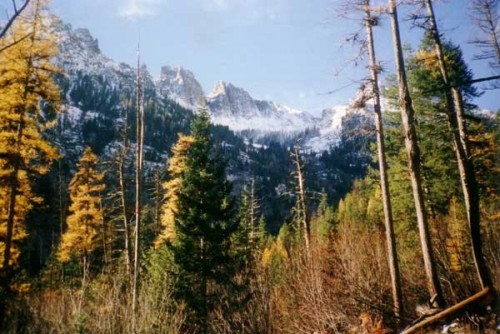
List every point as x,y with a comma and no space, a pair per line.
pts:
413,150
138,184
303,216
126,224
483,297
456,122
122,159
384,183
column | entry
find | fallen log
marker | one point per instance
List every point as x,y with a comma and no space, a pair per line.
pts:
452,311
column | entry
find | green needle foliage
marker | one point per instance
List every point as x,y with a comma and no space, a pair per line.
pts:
204,225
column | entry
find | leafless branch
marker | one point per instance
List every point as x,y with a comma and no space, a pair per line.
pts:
17,12
486,17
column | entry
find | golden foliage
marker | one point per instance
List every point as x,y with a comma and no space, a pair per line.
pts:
429,61
28,93
86,216
176,167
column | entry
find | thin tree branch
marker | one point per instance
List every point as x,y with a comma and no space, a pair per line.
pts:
15,42
17,12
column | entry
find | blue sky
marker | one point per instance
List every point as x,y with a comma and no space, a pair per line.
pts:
289,51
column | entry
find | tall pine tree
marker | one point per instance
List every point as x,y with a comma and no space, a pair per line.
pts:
204,225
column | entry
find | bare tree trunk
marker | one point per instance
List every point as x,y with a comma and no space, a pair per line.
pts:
123,195
304,220
138,184
384,182
157,201
413,150
456,122
253,209
105,237
126,223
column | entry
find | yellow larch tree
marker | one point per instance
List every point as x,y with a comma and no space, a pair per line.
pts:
176,167
86,217
29,100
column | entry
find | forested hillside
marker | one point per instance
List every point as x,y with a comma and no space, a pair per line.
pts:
124,209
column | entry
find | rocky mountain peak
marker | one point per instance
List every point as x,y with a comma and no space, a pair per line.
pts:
219,89
181,86
228,104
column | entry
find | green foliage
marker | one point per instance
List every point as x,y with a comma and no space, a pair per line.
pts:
323,221
204,225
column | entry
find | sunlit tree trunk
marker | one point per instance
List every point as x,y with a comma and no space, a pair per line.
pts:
302,205
138,184
384,183
456,122
122,157
412,148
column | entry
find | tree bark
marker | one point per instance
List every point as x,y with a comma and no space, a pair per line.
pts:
456,122
126,224
413,151
302,200
138,183
123,197
452,312
384,183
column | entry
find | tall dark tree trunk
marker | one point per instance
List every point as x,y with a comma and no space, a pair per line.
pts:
413,150
456,122
384,183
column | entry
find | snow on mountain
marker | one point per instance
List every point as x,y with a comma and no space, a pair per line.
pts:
79,51
79,54
330,127
228,105
234,107
181,86
226,100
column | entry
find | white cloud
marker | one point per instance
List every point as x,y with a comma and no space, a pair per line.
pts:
134,9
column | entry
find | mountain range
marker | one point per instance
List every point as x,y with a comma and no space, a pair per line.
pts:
99,107
256,120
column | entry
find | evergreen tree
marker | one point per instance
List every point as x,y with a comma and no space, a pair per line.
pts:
86,218
457,123
323,222
204,225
